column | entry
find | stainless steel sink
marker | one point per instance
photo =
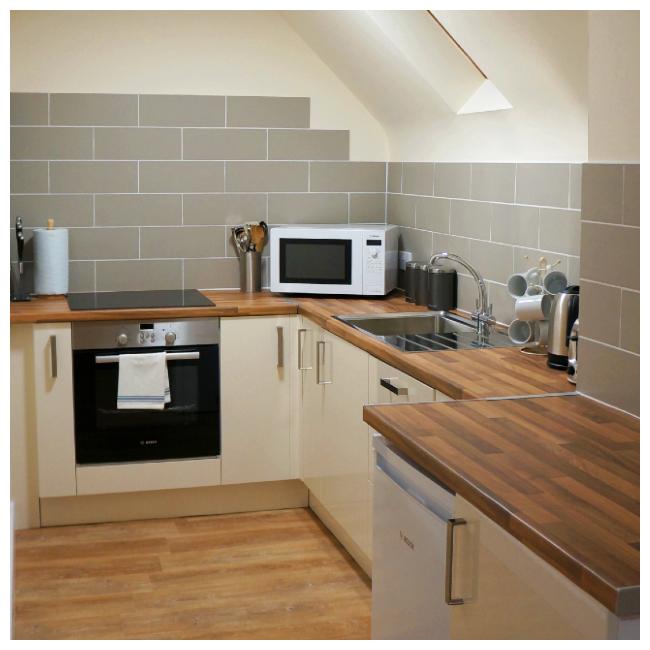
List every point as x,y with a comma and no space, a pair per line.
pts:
427,331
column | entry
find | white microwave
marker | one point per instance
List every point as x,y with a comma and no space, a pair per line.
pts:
334,259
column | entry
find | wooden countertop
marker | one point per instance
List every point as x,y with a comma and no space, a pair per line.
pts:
461,374
561,474
465,374
54,309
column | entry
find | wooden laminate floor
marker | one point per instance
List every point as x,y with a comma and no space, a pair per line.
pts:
277,574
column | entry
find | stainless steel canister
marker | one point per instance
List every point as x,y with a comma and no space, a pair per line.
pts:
422,283
410,280
250,271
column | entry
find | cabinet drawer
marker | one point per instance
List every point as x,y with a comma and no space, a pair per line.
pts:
394,387
136,477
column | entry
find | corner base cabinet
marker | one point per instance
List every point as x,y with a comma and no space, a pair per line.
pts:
335,437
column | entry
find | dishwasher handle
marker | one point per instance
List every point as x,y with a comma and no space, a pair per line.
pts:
449,561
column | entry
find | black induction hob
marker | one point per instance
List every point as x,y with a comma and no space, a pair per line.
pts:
138,299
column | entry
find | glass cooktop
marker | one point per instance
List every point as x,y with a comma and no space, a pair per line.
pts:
138,299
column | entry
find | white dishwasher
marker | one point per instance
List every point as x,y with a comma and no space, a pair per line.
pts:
412,533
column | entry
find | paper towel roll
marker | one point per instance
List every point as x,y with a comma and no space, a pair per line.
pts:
50,261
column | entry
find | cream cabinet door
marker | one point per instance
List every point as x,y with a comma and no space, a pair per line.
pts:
312,414
257,375
511,593
54,409
341,369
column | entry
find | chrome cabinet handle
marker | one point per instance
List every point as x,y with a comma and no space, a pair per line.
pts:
320,353
280,347
397,390
54,366
449,561
302,334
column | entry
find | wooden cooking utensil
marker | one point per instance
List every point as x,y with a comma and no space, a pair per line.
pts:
258,236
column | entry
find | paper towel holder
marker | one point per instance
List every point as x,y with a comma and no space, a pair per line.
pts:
51,260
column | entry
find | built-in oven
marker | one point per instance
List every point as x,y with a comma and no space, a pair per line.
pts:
188,426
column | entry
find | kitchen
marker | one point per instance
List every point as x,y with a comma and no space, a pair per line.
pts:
371,366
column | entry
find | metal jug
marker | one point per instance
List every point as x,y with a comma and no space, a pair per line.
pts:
573,352
564,313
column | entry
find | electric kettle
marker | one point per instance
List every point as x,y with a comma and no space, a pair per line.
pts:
564,313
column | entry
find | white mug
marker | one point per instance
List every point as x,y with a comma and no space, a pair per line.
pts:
537,307
542,333
534,290
517,285
533,276
521,331
555,282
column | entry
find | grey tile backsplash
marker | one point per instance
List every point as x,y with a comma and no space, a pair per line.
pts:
73,177
224,144
610,285
283,112
303,144
182,110
149,185
29,108
135,143
55,143
502,217
76,109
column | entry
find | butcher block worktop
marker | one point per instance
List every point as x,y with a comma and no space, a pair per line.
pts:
561,474
54,309
462,374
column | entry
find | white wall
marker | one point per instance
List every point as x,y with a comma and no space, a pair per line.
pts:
537,59
614,66
236,53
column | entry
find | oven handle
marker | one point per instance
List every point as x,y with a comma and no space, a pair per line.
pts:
171,356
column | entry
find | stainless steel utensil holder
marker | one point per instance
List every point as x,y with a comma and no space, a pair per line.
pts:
250,271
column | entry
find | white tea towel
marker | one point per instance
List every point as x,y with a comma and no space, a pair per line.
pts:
143,381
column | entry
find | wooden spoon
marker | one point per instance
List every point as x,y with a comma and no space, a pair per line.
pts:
258,236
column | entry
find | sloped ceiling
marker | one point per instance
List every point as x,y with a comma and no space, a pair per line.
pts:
412,77
399,62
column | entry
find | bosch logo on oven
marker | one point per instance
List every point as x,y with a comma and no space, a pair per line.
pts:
148,442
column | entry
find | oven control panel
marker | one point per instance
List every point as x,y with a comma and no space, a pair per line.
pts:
147,334
135,334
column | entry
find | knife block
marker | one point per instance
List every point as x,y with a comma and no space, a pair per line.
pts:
18,293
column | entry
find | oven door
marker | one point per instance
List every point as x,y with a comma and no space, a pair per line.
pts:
316,261
188,427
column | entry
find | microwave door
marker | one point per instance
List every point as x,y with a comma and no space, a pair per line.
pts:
323,265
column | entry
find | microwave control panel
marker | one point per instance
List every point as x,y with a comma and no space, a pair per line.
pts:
374,267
